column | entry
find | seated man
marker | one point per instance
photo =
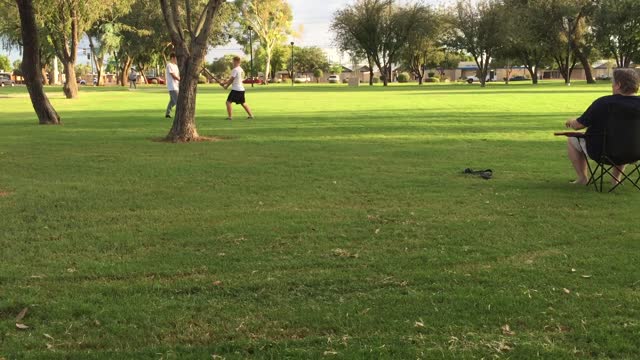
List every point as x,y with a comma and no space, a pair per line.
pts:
625,87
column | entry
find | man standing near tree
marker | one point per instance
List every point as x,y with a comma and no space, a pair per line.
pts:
133,79
173,83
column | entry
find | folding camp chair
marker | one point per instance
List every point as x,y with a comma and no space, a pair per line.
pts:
620,147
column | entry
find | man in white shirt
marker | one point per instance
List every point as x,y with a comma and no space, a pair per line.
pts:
173,83
237,89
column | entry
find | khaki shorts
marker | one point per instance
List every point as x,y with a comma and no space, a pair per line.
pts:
579,144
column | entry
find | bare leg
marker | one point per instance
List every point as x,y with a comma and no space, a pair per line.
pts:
229,110
579,163
248,110
617,174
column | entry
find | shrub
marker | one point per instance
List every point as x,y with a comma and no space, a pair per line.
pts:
345,81
431,74
376,80
403,77
433,80
202,79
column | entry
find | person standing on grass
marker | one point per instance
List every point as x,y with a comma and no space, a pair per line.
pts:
133,78
173,83
626,83
237,90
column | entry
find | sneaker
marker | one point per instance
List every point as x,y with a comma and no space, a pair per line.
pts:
250,118
230,119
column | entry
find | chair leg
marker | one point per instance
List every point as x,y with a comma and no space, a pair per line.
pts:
592,173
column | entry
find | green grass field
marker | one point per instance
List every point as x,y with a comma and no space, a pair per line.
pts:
337,225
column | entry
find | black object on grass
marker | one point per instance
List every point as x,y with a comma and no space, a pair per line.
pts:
485,174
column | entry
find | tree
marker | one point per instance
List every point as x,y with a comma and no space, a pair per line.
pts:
478,30
190,28
307,59
616,26
445,58
65,22
105,36
354,32
222,67
11,36
271,21
505,60
527,36
422,46
567,23
379,28
17,68
5,64
31,64
318,74
336,69
83,70
137,38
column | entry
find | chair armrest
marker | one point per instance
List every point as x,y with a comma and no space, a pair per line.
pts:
575,134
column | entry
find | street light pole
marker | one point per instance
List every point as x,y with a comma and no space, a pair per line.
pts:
292,73
251,50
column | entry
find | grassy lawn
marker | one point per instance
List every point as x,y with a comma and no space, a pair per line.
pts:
336,225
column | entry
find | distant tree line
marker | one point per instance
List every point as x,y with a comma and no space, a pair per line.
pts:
536,34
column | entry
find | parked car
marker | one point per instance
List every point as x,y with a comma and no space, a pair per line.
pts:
156,80
302,79
5,80
603,77
253,81
334,79
472,79
519,78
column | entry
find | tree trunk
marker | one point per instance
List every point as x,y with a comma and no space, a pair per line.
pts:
268,65
47,115
124,71
70,87
533,71
483,76
99,63
190,58
45,78
100,70
184,124
588,71
370,70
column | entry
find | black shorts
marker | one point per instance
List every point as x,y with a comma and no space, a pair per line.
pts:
236,97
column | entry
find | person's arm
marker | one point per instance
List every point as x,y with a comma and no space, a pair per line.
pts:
228,82
174,76
593,112
574,124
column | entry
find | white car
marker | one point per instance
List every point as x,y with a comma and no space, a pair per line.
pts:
334,79
472,79
302,79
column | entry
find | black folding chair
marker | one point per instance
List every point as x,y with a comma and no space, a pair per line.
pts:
620,147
